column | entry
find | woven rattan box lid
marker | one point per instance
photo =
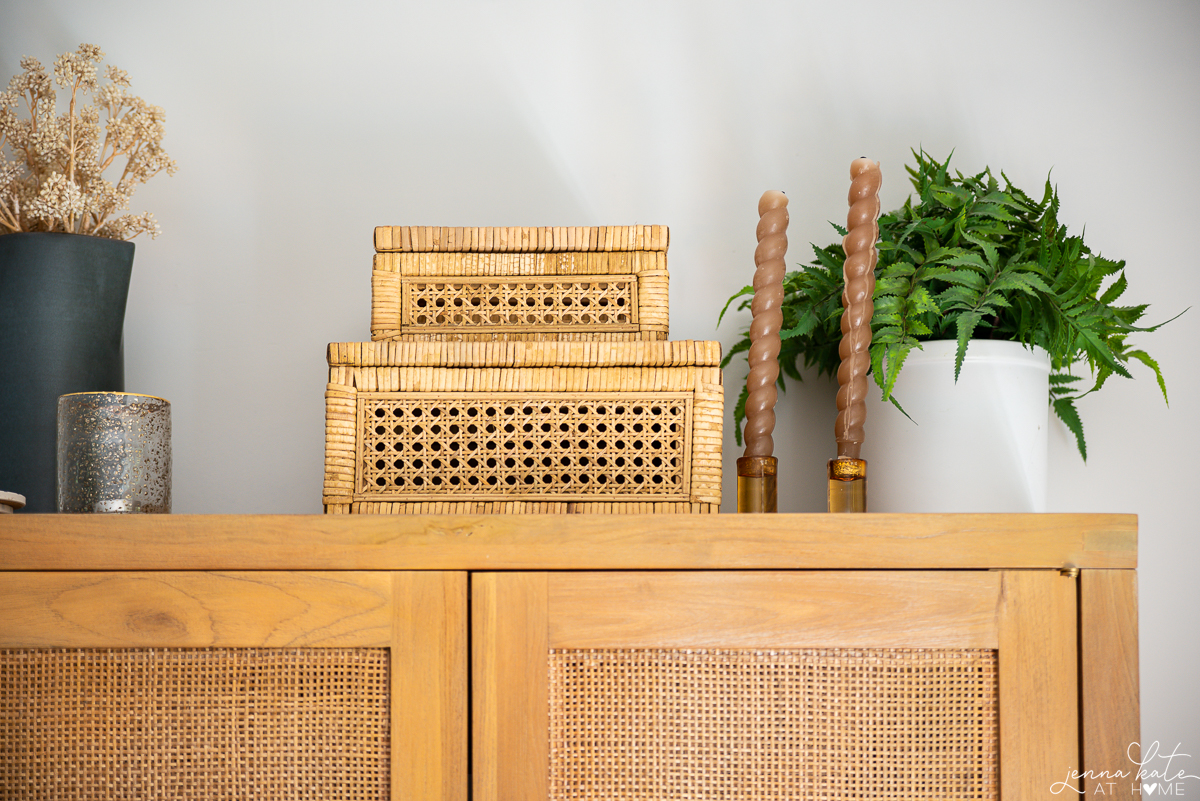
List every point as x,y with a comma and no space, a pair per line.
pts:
682,353
435,239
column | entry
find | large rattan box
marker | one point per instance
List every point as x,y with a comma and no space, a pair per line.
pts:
523,427
487,284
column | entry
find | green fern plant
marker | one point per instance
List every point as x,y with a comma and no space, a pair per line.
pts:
966,259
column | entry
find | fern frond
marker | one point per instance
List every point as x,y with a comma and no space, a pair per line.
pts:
1064,409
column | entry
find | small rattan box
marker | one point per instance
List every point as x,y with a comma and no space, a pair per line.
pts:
605,283
523,427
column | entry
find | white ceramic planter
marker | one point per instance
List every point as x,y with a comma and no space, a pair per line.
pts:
975,446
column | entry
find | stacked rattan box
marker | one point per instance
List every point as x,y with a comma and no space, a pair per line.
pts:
522,370
555,284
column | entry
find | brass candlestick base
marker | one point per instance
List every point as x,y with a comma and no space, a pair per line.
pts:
847,485
756,484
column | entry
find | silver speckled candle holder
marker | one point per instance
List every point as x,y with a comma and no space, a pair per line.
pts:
114,453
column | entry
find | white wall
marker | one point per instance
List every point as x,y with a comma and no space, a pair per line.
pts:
299,127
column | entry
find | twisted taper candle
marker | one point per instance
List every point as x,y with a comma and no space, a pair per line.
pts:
861,256
767,308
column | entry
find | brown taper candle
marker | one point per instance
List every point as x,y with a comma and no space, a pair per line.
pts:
847,473
756,470
861,256
768,320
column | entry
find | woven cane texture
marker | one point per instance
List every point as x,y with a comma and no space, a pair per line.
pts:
471,307
380,458
536,303
464,297
566,445
807,724
432,239
93,724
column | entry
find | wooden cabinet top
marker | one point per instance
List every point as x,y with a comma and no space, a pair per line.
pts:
566,542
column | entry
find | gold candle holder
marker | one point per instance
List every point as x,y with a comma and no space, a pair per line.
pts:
756,492
847,485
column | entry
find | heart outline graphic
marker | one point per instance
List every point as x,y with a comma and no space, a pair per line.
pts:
1148,789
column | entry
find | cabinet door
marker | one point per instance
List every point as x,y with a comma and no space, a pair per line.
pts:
233,685
840,684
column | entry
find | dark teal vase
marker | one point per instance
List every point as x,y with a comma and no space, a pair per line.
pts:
62,311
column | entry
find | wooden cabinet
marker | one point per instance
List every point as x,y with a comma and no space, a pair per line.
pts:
865,656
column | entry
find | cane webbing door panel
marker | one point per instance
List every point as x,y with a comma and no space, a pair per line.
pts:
103,723
788,684
198,685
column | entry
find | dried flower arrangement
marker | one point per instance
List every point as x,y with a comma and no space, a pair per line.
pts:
52,165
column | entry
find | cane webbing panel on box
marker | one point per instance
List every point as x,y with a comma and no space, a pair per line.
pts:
537,445
493,297
481,297
279,723
801,723
602,303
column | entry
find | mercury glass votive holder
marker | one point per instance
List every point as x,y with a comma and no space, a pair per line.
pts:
114,453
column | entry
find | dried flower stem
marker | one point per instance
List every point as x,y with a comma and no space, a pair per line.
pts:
55,180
